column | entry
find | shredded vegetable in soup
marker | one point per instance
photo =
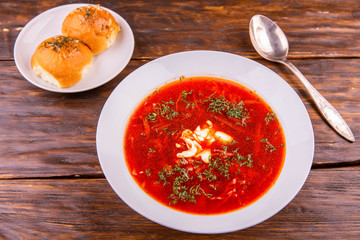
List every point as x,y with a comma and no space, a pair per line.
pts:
204,145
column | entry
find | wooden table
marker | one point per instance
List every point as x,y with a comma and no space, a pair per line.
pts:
51,183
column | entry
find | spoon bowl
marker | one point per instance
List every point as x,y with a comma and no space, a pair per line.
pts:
268,38
271,43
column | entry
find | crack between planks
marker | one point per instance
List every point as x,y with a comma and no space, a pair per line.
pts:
63,177
355,163
250,57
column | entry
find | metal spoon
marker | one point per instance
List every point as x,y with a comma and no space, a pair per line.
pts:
270,42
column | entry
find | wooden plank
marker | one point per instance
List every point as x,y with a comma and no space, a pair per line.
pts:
314,28
326,208
337,81
45,134
49,134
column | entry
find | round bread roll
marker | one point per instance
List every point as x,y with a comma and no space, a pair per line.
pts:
93,25
61,61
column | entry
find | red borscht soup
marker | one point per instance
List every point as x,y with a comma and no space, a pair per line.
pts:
204,145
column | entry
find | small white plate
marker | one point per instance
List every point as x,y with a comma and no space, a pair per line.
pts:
272,88
105,67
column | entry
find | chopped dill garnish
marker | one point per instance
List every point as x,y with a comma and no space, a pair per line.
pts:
151,150
181,191
60,42
88,13
232,110
166,130
164,110
209,175
269,117
182,161
213,187
269,147
247,161
184,95
151,117
164,174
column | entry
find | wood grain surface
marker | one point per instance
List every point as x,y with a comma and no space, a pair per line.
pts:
315,28
51,183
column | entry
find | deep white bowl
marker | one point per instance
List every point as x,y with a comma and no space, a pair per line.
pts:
273,89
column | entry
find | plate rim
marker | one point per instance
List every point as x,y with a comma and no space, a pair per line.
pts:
208,231
44,86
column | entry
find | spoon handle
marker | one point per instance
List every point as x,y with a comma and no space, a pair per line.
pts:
327,110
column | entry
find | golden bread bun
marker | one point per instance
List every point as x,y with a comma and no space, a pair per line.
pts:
93,25
61,60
